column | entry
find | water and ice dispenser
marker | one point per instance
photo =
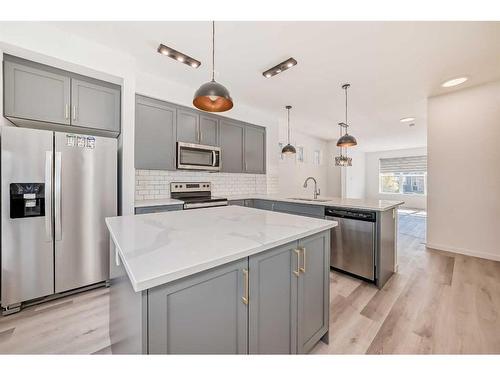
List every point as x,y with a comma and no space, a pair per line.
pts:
27,200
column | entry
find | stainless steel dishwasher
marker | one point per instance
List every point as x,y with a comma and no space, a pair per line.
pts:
352,246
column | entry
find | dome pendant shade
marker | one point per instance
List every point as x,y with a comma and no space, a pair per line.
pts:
346,141
288,150
212,97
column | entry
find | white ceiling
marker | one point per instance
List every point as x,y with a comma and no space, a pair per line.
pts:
392,66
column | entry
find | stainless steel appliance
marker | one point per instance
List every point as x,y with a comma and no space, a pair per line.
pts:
195,195
56,190
193,156
353,241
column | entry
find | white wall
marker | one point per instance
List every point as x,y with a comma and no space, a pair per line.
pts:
355,180
293,173
464,171
372,177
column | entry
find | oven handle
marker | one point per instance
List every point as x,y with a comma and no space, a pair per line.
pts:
214,158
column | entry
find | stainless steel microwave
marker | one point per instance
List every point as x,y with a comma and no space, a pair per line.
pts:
193,156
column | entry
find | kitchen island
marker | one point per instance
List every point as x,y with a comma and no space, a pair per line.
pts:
226,280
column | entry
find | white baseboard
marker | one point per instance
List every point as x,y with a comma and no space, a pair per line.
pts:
477,254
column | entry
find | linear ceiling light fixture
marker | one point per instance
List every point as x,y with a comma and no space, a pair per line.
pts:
212,96
454,82
179,56
407,119
287,64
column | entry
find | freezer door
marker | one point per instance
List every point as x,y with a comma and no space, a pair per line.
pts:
85,192
27,242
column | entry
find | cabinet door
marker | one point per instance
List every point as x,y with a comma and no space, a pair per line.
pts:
310,210
272,325
187,126
200,314
314,290
264,204
35,93
154,134
231,143
155,209
95,106
209,130
255,149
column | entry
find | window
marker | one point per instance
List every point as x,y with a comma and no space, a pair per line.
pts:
317,157
405,175
300,154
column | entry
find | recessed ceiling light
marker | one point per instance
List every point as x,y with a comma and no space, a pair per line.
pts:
179,56
287,64
454,82
407,119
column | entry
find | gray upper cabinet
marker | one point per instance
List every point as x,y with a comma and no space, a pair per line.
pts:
272,324
188,126
155,126
201,314
40,96
313,291
231,142
255,146
95,105
209,130
36,93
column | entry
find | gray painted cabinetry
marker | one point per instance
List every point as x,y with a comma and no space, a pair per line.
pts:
200,314
41,96
255,145
269,303
231,143
155,133
243,146
154,209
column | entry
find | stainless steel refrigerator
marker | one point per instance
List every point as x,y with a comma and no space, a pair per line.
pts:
56,190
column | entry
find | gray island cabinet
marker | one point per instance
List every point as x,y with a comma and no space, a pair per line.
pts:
263,288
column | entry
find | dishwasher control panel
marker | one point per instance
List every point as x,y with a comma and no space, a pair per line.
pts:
351,214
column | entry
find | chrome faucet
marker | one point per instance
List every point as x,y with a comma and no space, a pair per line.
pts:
316,188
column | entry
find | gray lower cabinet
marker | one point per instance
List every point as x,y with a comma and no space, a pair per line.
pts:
272,324
274,302
155,129
201,314
209,130
36,93
313,291
310,210
155,209
264,204
231,143
188,126
255,146
95,105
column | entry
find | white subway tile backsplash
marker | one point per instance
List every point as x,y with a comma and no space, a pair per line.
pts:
153,184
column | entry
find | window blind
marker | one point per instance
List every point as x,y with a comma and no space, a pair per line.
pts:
407,164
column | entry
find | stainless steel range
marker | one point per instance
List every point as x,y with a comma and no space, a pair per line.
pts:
195,195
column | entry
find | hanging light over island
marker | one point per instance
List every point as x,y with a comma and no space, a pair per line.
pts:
212,96
346,140
288,149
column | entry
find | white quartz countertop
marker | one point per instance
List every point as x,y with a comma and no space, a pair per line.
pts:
366,204
157,202
162,247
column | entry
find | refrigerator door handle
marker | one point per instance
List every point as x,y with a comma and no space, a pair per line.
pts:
48,195
57,197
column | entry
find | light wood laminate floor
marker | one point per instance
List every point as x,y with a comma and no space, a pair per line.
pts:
437,303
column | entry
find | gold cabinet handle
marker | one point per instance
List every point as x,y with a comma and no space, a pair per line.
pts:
297,272
66,111
245,287
303,268
74,112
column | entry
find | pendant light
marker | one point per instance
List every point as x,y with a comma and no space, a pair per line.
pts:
288,149
212,96
346,140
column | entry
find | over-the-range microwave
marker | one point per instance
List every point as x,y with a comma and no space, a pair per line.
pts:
192,156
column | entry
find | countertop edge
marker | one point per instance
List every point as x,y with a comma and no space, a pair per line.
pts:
140,286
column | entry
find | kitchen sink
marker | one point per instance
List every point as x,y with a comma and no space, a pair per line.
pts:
310,199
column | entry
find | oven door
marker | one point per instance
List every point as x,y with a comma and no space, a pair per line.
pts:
193,156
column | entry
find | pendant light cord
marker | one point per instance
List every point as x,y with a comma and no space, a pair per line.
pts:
288,109
213,50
